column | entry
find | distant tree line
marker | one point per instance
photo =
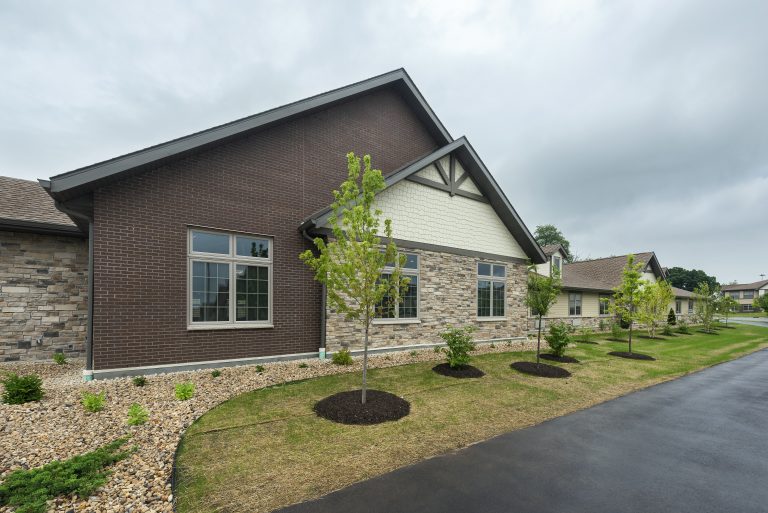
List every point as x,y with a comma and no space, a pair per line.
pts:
689,279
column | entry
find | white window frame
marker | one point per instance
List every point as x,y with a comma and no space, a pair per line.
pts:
678,306
233,260
406,272
492,279
559,265
748,294
600,304
581,304
690,306
735,295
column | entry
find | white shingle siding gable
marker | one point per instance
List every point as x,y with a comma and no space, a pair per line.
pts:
431,173
427,215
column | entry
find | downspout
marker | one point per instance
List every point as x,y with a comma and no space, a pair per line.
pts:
88,372
321,350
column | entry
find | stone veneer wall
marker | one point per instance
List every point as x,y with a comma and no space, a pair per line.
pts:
447,295
43,293
594,322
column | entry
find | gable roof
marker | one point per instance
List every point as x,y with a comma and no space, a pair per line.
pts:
551,249
25,206
604,274
745,286
678,292
79,181
476,169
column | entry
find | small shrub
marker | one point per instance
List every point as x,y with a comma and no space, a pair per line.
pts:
259,368
342,357
22,389
571,328
184,391
139,381
438,350
558,337
414,353
59,358
671,317
459,342
215,373
667,330
682,327
602,325
28,490
616,332
492,345
303,365
93,402
137,415
585,334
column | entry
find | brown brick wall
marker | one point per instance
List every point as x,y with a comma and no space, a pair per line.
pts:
43,293
265,183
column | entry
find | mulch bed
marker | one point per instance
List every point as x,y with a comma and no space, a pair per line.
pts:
587,342
345,407
561,359
632,356
464,371
542,370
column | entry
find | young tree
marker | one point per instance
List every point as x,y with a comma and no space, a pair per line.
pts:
627,296
547,234
542,294
706,305
350,264
654,300
761,302
726,305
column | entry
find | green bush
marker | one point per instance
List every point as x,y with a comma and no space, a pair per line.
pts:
93,402
585,334
28,490
558,337
137,415
671,317
259,368
59,358
139,381
303,365
682,327
22,389
438,350
602,325
414,353
184,391
459,344
215,373
342,357
667,330
617,333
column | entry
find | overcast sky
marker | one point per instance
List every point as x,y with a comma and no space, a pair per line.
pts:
632,126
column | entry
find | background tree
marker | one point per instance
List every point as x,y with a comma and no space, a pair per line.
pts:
627,296
761,302
654,301
725,305
689,279
542,294
706,305
547,234
350,264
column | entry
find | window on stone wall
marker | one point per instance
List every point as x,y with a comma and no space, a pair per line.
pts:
230,280
491,290
409,307
605,301
574,303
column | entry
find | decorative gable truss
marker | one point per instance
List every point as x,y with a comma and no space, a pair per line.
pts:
448,175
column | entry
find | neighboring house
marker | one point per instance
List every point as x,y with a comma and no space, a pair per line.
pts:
588,287
43,275
746,293
556,258
196,241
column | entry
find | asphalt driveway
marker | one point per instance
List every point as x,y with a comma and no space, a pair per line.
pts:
697,444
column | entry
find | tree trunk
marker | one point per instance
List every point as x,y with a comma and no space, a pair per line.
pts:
365,359
630,336
538,343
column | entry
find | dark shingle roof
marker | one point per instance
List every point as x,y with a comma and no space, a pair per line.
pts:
682,292
601,273
24,205
551,249
745,286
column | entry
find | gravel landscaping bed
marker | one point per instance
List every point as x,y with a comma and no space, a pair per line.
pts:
57,427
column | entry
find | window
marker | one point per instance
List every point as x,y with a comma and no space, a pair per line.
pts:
557,263
735,295
749,294
574,303
747,308
491,286
605,301
678,306
690,306
230,280
409,307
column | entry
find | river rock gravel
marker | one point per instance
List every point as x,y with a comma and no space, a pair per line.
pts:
57,427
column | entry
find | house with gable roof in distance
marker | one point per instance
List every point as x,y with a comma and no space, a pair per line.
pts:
746,293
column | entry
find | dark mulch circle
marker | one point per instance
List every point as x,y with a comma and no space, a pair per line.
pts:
587,342
345,407
542,370
561,359
632,356
464,371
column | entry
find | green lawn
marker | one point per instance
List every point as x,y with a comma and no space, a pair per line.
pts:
266,448
747,314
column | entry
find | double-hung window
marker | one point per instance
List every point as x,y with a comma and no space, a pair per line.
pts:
408,308
749,294
230,280
491,290
557,264
690,306
735,295
605,301
678,306
574,303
